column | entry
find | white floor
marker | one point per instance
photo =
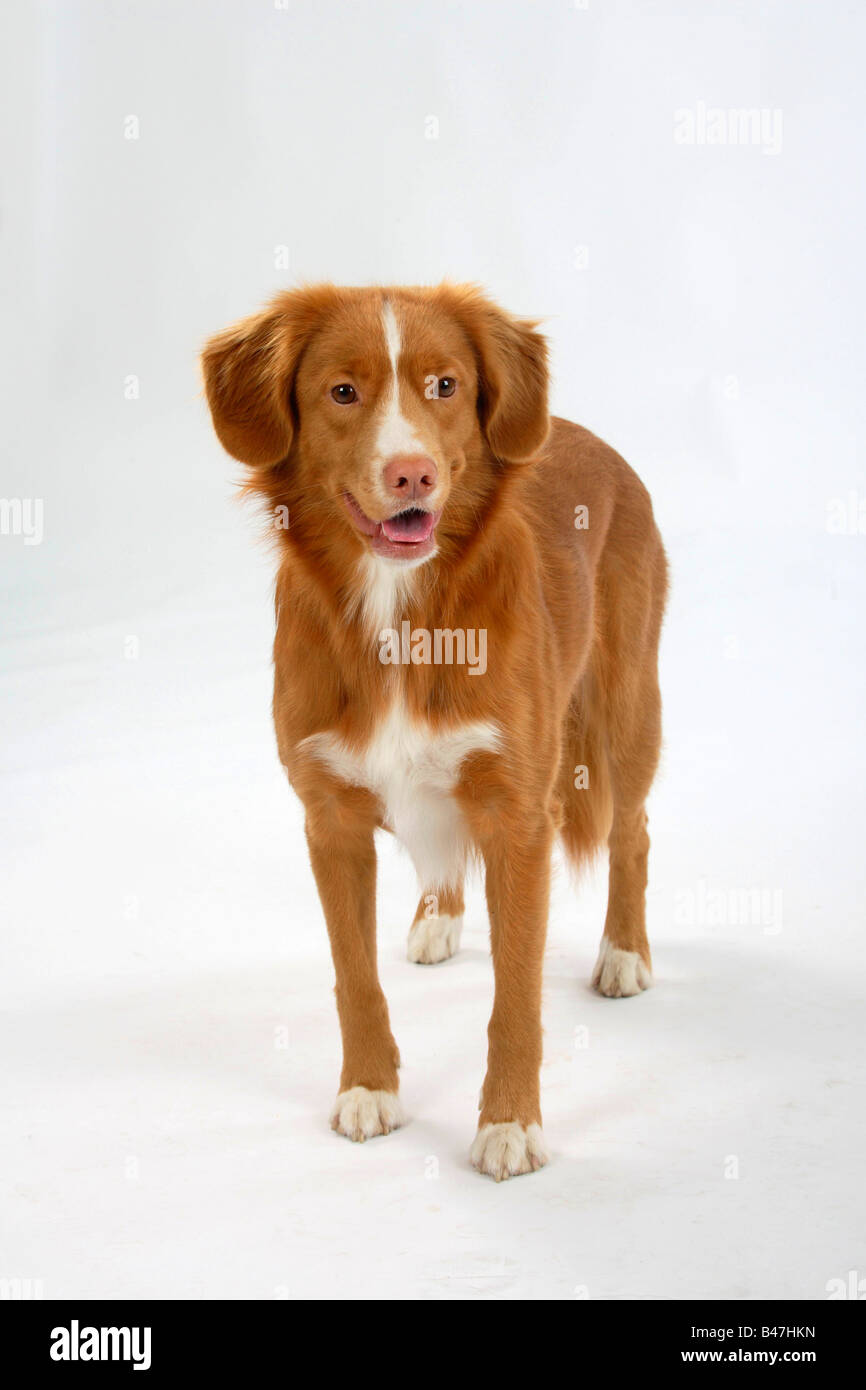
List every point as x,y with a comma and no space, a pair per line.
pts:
169,1038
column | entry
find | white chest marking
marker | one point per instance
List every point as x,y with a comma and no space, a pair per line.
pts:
414,771
384,589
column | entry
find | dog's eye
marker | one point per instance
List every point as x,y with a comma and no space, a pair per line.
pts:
344,394
447,386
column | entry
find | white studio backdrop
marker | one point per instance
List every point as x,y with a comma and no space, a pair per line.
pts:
676,188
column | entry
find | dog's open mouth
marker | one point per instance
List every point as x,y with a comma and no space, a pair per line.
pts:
410,527
408,535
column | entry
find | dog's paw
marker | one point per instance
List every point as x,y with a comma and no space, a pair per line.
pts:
433,939
505,1150
361,1114
619,974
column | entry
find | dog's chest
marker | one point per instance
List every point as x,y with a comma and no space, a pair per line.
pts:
413,770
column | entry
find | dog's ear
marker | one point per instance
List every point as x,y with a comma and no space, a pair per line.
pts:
248,373
513,375
247,376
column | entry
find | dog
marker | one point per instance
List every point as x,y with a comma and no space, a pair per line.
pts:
402,440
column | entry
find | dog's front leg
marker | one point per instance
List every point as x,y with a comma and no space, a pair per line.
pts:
509,1139
343,856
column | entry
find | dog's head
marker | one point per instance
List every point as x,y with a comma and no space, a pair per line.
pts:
383,413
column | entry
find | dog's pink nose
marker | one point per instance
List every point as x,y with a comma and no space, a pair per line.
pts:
410,476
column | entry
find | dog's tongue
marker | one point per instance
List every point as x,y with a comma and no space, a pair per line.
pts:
413,525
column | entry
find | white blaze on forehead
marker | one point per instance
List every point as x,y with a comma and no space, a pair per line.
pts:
396,435
392,334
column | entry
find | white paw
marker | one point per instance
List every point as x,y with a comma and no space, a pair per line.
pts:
504,1150
619,974
434,939
361,1114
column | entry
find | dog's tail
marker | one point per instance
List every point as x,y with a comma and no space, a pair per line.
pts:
584,784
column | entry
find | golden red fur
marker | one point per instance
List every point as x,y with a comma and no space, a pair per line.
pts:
571,614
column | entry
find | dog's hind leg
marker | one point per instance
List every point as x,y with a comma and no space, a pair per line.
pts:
435,933
607,768
624,964
632,718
